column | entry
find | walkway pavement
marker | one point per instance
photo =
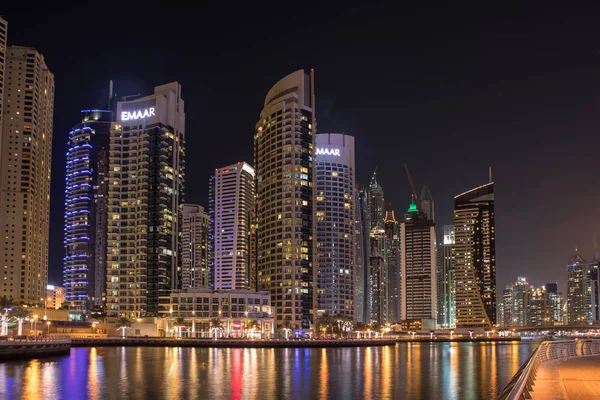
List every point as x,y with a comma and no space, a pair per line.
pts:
570,379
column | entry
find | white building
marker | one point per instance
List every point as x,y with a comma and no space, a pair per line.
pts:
146,184
25,160
238,313
231,207
195,261
335,219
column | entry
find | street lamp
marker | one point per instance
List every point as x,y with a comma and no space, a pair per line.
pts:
48,323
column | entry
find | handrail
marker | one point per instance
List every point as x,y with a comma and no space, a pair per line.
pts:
521,385
38,339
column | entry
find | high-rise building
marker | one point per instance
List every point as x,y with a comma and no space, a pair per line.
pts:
55,296
284,161
419,288
579,291
145,203
195,245
475,258
557,300
3,42
230,207
25,160
514,303
427,203
378,270
394,272
85,219
594,281
540,310
446,300
335,224
362,239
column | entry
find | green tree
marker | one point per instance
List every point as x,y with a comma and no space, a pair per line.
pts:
286,327
216,325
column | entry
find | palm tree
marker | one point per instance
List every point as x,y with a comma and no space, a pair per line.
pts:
286,327
216,325
123,323
5,302
19,313
178,324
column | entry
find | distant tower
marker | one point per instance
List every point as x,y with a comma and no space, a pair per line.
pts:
394,282
230,207
427,203
363,241
419,289
445,282
475,258
579,293
335,224
377,258
194,247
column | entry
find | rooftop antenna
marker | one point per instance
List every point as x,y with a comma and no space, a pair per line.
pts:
490,172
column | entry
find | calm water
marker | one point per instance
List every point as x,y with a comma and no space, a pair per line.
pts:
412,371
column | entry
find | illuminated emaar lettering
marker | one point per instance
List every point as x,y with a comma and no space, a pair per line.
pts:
137,114
328,152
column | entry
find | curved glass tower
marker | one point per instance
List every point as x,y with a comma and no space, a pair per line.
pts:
283,157
475,258
86,188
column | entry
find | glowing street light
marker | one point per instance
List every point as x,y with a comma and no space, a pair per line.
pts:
48,323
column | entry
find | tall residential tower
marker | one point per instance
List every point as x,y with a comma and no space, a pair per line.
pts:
335,219
195,247
284,160
378,270
231,206
25,160
86,195
145,199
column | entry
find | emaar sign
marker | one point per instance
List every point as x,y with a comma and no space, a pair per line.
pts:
328,152
137,114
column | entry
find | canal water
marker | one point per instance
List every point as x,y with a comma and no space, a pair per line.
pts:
404,371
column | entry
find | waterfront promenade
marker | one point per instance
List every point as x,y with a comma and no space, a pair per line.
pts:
575,378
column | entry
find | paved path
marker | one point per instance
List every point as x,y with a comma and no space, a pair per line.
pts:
570,379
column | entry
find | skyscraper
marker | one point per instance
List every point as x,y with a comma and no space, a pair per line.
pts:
85,220
419,289
145,201
25,160
475,258
515,302
427,203
284,161
3,42
445,281
362,238
335,214
195,246
378,279
230,208
579,293
394,272
557,300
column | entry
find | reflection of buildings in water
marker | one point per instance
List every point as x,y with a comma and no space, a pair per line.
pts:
93,389
324,375
31,381
386,372
368,374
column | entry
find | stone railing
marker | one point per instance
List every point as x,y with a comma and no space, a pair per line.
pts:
521,385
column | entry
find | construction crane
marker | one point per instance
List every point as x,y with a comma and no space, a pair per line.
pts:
417,200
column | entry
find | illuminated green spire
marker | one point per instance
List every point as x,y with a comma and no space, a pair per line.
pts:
413,207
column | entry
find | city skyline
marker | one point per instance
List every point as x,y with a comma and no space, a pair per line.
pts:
518,218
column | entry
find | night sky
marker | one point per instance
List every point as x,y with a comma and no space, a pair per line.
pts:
449,91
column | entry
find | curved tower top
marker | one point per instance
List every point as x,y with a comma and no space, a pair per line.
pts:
297,84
